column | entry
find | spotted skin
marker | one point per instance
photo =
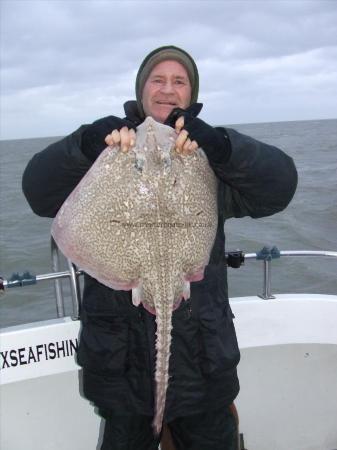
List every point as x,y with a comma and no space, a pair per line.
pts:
144,220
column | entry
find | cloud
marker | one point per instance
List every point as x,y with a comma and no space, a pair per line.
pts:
66,63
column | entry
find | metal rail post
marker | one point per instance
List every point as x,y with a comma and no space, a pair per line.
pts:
266,293
57,282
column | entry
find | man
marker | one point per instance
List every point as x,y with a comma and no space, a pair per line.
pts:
117,342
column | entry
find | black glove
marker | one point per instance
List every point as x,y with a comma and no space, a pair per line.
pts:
214,141
189,113
93,138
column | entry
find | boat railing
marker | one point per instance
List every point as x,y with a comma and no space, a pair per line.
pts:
267,256
233,259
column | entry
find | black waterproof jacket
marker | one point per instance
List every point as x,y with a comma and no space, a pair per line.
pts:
117,341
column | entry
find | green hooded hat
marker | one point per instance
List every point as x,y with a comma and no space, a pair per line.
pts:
158,55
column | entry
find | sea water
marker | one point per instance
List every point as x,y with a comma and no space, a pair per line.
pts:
309,223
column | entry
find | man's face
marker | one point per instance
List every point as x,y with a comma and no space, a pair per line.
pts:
166,88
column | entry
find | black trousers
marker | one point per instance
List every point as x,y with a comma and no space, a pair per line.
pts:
215,430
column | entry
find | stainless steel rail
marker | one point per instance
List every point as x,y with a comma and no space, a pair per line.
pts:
75,290
298,253
73,274
55,258
266,292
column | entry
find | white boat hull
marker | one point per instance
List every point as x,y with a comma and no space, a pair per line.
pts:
288,377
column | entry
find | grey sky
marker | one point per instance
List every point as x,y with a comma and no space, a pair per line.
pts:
64,63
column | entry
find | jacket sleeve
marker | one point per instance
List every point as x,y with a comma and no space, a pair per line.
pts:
257,179
52,174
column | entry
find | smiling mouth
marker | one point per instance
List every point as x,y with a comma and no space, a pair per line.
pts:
166,103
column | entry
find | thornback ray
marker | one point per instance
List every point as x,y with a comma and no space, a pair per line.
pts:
145,221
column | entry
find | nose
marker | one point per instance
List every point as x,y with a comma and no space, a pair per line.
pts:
167,87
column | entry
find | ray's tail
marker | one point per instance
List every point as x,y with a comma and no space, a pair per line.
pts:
163,346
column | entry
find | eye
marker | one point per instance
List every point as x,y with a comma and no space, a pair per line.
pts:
181,81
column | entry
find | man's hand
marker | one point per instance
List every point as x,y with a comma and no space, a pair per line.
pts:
177,119
194,132
107,131
184,145
125,138
214,141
